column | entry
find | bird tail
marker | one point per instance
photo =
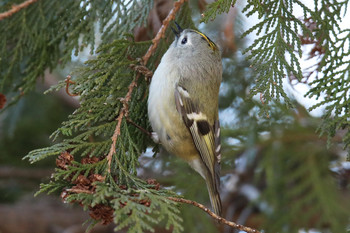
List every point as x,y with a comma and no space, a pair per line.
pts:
213,190
213,184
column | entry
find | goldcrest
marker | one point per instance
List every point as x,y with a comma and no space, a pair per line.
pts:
183,105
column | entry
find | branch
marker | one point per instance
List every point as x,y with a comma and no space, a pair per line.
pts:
213,215
51,80
16,8
149,134
124,111
143,70
114,139
190,202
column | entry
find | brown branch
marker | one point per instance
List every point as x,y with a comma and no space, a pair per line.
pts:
190,202
124,111
16,8
140,128
114,139
143,70
213,215
262,98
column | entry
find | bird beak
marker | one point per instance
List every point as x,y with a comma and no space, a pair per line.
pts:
177,33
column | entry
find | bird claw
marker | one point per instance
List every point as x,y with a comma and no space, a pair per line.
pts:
155,137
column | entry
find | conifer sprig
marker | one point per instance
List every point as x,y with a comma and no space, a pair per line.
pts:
333,71
45,33
272,54
216,8
16,8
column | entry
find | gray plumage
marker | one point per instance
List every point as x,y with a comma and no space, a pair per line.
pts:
183,105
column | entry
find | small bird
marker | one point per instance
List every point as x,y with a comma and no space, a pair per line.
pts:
183,105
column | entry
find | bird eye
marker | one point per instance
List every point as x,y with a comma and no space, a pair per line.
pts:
184,40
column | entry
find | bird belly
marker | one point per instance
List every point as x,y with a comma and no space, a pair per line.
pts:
166,121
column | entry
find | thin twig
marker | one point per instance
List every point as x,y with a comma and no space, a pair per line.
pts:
262,98
194,203
190,202
124,111
143,70
114,140
51,80
16,8
213,215
139,127
68,81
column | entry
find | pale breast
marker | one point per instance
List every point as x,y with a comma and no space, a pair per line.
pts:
164,118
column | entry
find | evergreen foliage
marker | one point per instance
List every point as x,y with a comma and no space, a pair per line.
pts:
276,54
307,187
333,72
47,33
288,162
278,39
217,7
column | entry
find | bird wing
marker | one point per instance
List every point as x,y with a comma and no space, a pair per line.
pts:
206,137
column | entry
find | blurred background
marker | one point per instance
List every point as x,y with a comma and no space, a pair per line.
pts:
278,174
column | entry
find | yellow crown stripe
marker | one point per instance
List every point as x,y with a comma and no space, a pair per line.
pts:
211,43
